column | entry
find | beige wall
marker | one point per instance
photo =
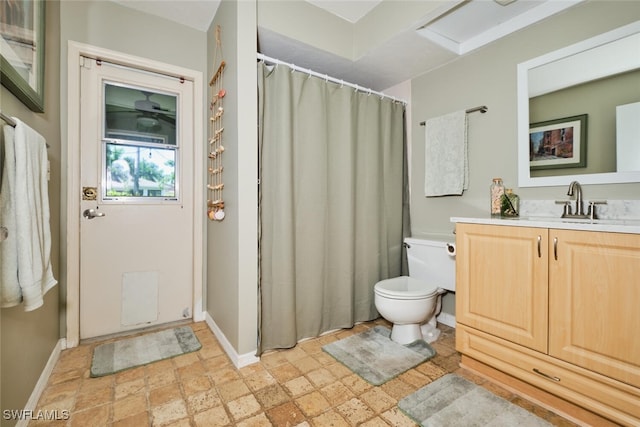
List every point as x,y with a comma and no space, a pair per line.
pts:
232,243
28,338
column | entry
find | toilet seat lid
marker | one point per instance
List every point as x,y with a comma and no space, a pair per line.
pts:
405,288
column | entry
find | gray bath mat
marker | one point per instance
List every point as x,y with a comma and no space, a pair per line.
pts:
452,401
377,359
131,352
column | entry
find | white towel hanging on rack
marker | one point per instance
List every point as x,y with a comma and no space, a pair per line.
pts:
446,164
25,256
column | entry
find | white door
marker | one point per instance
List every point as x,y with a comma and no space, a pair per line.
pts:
136,238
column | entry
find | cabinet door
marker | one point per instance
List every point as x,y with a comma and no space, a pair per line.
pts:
502,282
594,302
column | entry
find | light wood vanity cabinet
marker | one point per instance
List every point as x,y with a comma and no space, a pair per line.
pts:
556,309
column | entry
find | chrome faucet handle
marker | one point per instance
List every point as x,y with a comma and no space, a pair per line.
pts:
566,209
591,210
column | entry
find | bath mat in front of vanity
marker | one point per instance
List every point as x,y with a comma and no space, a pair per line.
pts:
452,401
375,357
128,353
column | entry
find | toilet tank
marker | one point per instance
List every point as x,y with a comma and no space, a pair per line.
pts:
431,261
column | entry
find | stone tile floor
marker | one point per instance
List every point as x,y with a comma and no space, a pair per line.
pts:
302,387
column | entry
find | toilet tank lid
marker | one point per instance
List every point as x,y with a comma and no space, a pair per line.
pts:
431,240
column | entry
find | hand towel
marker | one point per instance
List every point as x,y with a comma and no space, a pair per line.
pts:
30,201
446,164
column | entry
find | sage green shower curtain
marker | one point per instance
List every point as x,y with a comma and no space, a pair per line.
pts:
333,203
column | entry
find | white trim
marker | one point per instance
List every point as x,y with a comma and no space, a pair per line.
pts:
447,319
239,360
72,159
32,403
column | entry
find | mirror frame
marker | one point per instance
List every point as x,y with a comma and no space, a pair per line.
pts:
524,175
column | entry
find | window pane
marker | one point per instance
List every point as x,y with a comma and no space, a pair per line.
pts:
137,114
139,171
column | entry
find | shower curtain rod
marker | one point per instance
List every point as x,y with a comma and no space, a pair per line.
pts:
328,78
483,109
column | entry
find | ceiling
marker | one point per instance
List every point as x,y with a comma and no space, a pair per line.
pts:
457,28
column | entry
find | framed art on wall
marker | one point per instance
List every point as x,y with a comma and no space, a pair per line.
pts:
22,50
560,143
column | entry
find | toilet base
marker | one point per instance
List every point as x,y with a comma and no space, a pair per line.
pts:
406,334
429,332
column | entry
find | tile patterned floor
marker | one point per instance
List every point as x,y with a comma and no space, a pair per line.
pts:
302,387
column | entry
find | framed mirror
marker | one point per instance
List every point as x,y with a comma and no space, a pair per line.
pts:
22,51
579,112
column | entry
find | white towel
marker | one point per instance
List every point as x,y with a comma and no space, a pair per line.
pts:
10,293
446,165
25,207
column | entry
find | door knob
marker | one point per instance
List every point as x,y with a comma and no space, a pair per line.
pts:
91,213
4,233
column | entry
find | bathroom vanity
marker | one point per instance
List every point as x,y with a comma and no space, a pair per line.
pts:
551,309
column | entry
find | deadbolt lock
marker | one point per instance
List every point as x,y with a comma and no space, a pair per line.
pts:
89,193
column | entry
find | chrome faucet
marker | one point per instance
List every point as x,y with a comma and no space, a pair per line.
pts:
575,186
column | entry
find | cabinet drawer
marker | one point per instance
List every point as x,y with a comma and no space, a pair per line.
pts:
602,395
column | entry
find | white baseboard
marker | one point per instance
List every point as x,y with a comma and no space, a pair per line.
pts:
447,319
32,403
199,316
239,360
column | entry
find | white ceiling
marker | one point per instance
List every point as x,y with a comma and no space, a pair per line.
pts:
460,27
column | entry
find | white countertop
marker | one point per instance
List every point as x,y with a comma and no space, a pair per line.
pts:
607,225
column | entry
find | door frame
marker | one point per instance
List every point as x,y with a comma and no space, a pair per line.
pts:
71,228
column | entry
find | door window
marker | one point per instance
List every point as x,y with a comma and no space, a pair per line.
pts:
140,144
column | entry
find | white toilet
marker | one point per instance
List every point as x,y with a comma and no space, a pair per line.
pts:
412,302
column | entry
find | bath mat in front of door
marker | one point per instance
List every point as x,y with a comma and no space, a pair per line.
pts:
129,353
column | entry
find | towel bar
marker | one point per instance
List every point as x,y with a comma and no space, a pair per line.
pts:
11,122
483,109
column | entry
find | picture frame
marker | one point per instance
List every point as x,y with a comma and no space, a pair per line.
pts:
22,50
559,143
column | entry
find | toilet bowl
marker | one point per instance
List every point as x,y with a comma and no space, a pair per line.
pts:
412,302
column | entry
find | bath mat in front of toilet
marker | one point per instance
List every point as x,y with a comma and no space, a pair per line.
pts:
374,357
